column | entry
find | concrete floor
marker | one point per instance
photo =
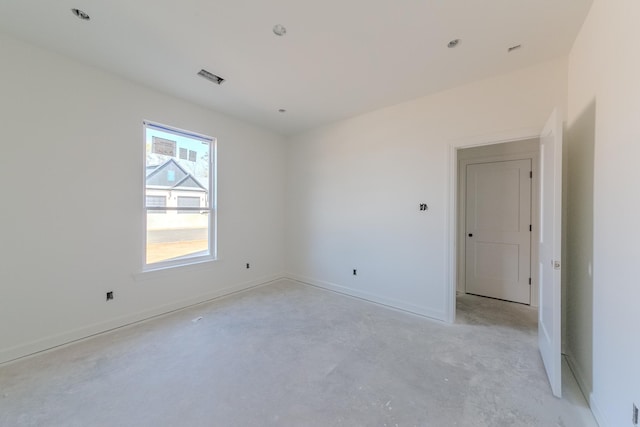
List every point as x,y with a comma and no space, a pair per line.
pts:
287,354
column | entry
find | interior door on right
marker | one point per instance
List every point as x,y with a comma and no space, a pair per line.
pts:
549,312
498,230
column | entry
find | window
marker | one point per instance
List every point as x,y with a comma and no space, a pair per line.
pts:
179,182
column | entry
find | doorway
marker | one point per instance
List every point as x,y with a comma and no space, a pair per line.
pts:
546,233
497,218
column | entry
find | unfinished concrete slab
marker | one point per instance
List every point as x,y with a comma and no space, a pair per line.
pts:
288,354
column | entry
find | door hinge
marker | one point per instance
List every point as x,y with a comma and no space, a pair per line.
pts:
530,174
529,280
530,229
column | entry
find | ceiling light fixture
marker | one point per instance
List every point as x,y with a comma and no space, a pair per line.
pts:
512,48
80,14
279,30
211,77
453,43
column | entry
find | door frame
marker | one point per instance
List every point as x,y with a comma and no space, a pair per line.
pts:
533,156
452,214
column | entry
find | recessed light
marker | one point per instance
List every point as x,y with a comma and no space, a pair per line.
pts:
80,14
279,30
453,43
512,48
282,110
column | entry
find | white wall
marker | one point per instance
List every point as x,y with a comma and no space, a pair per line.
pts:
604,84
580,139
354,186
70,130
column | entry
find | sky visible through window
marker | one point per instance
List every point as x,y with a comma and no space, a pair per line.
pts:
198,149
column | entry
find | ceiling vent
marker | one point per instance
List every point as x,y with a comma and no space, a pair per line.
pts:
211,77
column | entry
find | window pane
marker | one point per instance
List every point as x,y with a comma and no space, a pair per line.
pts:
157,201
174,236
188,202
178,171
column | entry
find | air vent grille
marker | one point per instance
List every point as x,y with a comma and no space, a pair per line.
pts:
211,77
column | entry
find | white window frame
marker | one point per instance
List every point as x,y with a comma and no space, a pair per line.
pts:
211,196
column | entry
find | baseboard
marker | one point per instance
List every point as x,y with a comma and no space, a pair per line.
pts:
578,373
586,389
395,304
597,413
49,343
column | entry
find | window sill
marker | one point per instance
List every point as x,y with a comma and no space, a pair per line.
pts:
170,270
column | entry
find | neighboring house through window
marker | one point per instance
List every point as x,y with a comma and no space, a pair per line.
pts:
177,183
157,202
188,202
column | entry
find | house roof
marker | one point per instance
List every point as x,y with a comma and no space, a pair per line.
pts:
171,175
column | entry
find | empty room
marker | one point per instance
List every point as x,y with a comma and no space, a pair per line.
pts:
285,213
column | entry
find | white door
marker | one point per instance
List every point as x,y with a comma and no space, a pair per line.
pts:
549,332
498,230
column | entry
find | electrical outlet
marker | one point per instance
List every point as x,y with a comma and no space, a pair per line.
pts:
109,295
634,418
248,266
355,272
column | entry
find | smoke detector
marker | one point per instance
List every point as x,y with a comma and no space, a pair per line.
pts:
279,30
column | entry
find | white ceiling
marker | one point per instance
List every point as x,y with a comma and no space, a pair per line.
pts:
339,58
